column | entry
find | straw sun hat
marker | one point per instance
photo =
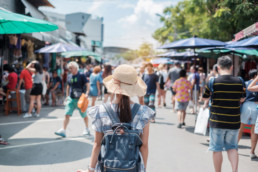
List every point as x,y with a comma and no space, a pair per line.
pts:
125,81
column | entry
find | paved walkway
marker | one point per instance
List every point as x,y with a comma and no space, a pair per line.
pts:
34,147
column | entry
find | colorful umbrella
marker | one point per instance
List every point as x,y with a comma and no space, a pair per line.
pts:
13,23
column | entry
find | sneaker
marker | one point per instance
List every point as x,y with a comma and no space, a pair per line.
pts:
179,125
61,133
253,156
164,104
27,115
37,115
183,123
86,131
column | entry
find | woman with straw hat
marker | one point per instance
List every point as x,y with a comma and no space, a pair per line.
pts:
124,83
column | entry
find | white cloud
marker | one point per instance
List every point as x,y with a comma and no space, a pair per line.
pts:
95,6
141,24
145,9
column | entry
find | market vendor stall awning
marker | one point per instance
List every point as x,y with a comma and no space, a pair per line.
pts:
249,42
13,23
214,52
82,53
46,37
40,3
193,42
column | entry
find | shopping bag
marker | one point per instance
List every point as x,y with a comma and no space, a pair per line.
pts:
256,127
83,103
191,104
202,121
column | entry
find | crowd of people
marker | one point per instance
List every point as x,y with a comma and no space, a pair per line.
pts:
232,101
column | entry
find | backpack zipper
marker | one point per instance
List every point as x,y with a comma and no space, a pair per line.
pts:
123,169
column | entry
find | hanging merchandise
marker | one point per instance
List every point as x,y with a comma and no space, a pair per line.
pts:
12,40
30,50
15,45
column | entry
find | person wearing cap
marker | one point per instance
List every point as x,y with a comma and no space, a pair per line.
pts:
124,83
152,82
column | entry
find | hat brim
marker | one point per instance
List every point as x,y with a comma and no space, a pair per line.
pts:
137,89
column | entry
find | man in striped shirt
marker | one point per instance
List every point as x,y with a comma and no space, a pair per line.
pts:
226,93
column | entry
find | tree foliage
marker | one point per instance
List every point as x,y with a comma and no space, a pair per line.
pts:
213,19
129,55
145,51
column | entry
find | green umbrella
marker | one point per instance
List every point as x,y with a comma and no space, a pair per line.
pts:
13,23
82,53
216,52
251,52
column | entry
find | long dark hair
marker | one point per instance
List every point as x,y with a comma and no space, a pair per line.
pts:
124,109
107,71
38,68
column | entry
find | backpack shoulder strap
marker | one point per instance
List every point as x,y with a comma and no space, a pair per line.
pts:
211,83
111,113
135,109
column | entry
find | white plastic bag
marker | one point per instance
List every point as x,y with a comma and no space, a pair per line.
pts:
202,121
191,104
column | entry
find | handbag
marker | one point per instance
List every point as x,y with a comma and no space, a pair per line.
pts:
83,103
202,121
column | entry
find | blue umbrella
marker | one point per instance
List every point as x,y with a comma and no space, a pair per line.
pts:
59,48
193,42
249,42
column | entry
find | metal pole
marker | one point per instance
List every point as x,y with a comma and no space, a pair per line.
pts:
195,98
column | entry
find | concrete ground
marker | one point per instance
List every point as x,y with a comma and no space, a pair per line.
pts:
34,147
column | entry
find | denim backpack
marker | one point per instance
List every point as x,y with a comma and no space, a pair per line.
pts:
120,152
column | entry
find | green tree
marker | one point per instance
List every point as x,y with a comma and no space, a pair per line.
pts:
129,55
213,19
145,50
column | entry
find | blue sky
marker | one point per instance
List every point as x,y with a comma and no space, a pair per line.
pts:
128,23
